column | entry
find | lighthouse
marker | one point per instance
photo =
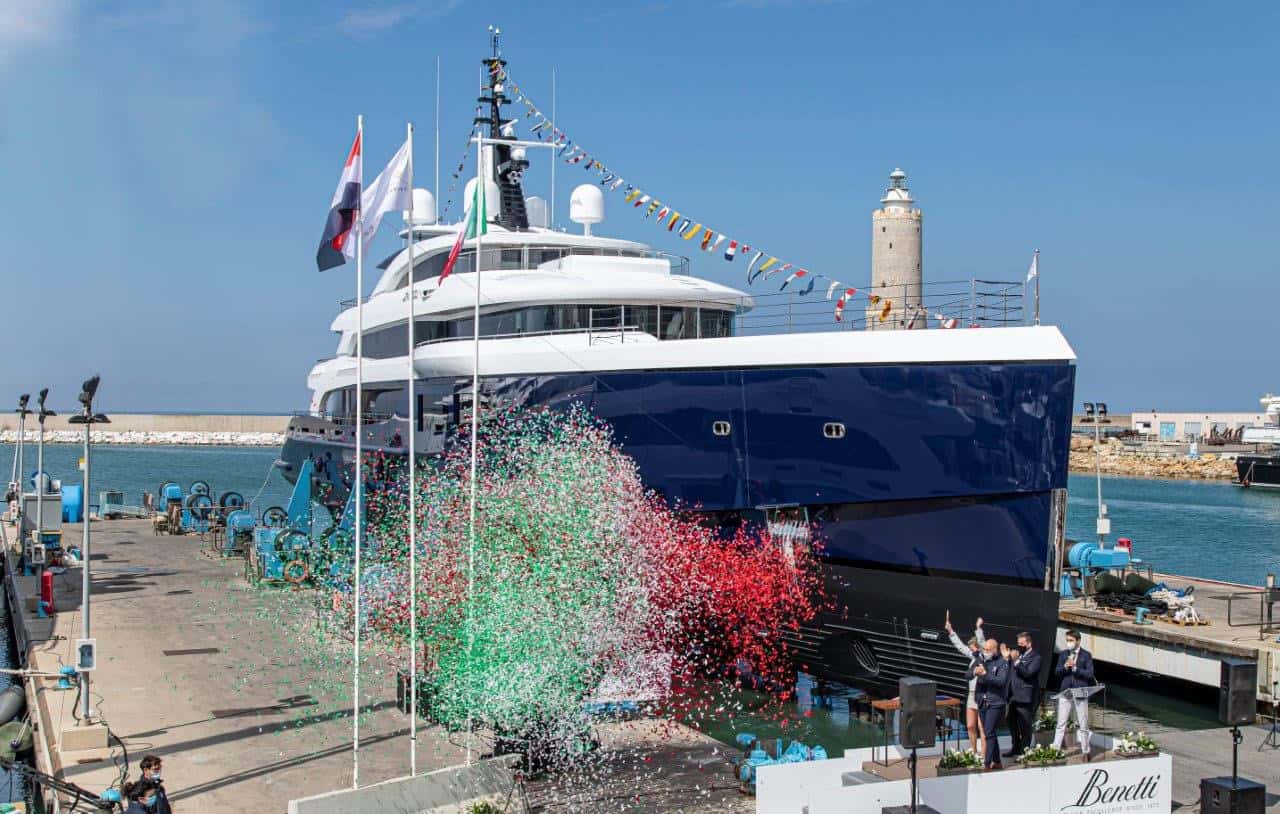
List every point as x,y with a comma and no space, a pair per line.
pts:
896,269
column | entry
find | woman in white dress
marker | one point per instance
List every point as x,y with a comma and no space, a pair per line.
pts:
972,651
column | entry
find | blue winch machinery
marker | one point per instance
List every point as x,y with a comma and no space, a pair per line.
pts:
193,511
756,752
293,546
1089,559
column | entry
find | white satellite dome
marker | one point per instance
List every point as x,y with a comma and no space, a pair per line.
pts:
586,206
538,211
492,198
424,209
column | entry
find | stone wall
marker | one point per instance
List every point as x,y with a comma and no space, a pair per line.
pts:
1117,459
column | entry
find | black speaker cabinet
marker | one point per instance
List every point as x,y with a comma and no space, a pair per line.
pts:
1219,796
917,721
1238,692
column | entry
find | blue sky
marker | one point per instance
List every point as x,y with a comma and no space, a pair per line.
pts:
169,166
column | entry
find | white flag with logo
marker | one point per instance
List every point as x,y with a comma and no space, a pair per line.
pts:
389,192
1034,271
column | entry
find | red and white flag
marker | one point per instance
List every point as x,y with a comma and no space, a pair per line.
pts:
338,244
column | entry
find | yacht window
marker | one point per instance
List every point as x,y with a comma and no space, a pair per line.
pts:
663,322
385,403
713,323
644,317
538,256
677,323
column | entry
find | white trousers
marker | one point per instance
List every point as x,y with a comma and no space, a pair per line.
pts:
1080,706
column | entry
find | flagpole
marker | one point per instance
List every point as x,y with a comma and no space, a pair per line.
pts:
437,190
358,483
1037,286
478,212
413,494
551,222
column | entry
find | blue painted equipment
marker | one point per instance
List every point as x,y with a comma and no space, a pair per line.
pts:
768,752
1065,588
72,503
169,490
66,677
1090,555
111,796
240,526
198,512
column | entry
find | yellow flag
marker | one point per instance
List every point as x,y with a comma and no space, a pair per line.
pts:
768,263
874,298
884,312
675,216
632,195
693,230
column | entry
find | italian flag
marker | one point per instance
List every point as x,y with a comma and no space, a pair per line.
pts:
475,224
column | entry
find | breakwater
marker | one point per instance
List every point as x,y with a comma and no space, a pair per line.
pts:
1119,459
152,438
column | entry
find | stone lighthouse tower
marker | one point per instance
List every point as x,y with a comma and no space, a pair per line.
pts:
896,269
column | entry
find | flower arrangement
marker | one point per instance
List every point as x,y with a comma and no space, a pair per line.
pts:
1043,756
1046,720
1136,744
960,759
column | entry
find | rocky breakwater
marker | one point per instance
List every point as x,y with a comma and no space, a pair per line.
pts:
182,438
1118,459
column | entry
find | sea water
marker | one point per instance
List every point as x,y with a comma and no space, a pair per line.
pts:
1207,529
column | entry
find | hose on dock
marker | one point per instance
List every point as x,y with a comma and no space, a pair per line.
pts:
79,794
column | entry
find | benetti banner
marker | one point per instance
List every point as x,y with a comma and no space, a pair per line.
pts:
1113,787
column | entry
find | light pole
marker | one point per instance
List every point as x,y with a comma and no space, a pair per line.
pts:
1099,415
23,411
41,415
88,418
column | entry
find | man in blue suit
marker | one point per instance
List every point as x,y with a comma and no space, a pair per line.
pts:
1024,693
1075,674
993,695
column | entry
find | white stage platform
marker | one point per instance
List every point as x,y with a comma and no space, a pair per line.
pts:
1111,786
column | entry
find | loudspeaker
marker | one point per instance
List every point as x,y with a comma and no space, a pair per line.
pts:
1219,796
1238,692
917,720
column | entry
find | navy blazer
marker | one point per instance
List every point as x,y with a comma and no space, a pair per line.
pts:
1080,676
1024,683
993,688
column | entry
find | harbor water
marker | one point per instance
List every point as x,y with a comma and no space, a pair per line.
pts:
1174,525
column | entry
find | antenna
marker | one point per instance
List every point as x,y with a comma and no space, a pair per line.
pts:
494,34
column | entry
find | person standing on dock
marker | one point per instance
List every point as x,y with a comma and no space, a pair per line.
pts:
1024,693
150,766
972,650
1075,674
993,696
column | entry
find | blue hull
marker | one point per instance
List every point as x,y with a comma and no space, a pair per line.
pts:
937,477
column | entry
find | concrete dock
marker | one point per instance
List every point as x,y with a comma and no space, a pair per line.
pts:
1190,653
196,666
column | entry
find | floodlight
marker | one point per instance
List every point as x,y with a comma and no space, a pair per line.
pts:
88,390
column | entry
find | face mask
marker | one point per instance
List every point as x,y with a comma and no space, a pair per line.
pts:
156,777
150,801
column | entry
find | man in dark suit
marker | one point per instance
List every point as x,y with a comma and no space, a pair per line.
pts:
1075,674
1024,693
993,695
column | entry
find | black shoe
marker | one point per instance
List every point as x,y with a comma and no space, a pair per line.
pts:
1010,753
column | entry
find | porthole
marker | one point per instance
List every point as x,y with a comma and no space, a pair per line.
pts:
720,427
833,429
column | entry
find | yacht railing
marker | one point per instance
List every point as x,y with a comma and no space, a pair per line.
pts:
971,303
